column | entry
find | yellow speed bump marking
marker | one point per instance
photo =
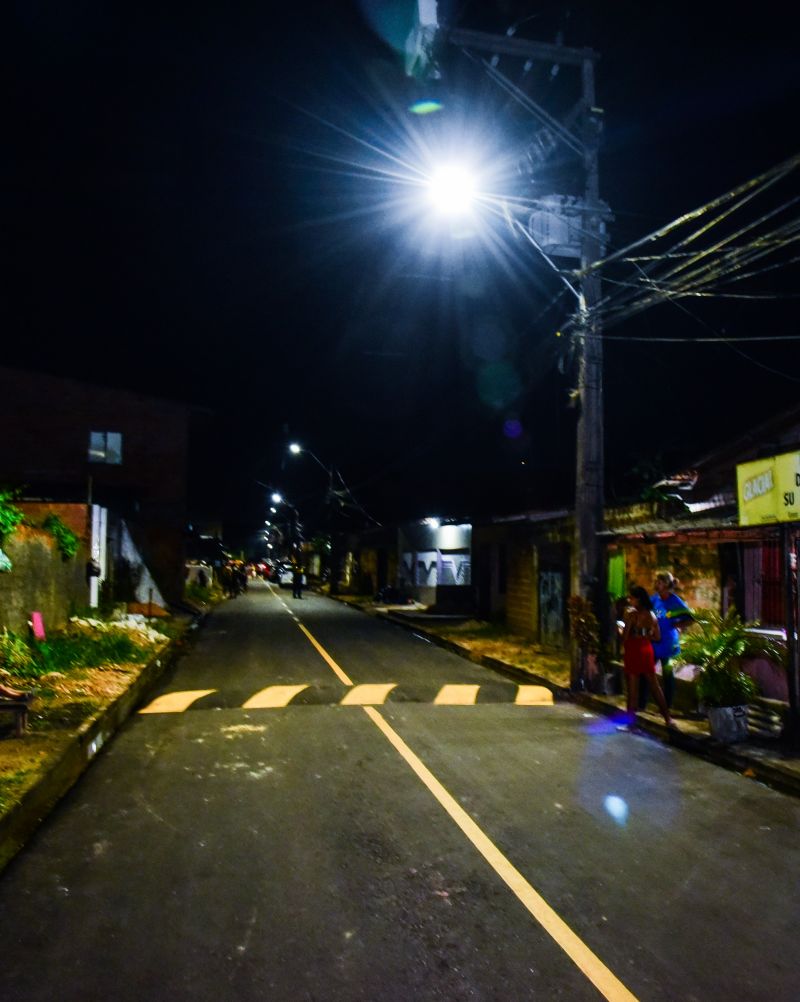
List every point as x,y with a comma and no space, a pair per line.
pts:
370,694
272,696
590,965
175,702
457,695
533,695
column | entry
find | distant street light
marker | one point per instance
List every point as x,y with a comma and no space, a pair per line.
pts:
277,499
334,508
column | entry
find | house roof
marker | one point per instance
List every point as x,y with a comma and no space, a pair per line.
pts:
714,474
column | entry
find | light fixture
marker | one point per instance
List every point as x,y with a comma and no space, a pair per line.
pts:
452,190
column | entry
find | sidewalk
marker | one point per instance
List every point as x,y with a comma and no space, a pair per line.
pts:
51,762
759,759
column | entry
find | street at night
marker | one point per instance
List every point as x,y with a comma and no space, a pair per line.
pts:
401,849
400,502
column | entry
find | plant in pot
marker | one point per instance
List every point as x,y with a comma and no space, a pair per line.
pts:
716,645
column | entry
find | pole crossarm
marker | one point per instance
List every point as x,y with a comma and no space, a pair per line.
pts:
508,45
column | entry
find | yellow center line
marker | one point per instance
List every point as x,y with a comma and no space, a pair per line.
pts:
590,965
587,962
326,657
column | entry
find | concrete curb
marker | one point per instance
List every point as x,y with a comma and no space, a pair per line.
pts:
81,747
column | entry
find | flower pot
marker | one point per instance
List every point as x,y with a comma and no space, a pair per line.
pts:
728,723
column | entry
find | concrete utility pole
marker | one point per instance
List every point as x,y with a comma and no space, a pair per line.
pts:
587,564
589,474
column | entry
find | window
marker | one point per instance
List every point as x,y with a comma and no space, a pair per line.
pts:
105,447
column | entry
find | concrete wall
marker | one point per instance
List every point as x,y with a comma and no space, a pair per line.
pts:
41,580
696,567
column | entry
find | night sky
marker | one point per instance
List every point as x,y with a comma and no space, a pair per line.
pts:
198,205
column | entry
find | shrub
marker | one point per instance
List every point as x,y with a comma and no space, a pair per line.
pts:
16,656
66,540
10,515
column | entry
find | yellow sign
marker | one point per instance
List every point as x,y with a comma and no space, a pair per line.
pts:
769,489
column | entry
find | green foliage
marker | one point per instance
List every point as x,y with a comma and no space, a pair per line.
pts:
67,651
717,645
10,515
66,540
23,659
16,656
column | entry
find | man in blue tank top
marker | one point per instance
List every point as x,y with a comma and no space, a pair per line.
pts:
673,615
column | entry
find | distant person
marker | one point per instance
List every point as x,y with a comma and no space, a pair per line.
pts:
640,633
297,580
673,615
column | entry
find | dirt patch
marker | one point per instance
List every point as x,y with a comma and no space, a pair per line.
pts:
484,640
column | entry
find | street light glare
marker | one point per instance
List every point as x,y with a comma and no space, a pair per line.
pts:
277,498
295,449
452,190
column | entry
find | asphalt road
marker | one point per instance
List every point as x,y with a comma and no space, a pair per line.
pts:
267,828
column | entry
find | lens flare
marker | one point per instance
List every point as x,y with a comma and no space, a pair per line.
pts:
428,107
617,808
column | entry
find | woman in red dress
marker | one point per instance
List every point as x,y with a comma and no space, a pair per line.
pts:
641,629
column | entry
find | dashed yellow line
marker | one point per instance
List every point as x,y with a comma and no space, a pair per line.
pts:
175,702
587,962
273,696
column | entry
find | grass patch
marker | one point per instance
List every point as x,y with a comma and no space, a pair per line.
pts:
67,652
26,661
11,787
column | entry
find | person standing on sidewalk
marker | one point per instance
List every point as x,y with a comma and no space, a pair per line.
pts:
640,633
673,615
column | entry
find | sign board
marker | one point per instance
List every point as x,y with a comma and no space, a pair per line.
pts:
769,490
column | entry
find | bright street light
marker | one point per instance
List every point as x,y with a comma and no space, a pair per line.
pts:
277,498
295,449
452,190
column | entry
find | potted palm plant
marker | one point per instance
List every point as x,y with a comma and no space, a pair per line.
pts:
717,645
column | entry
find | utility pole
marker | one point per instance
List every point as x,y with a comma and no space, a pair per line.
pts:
586,216
589,471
